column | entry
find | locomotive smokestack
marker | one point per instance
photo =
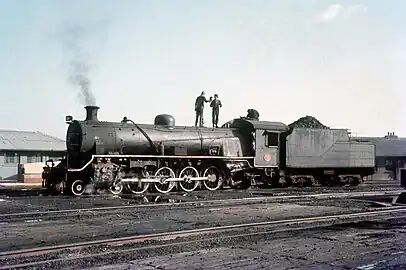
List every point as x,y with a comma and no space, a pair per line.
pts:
91,113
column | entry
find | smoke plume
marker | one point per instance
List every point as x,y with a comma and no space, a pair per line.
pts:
74,38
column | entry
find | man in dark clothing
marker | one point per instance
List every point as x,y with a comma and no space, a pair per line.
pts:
216,105
252,114
199,107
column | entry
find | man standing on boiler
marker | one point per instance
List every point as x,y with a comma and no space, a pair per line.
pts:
199,107
216,105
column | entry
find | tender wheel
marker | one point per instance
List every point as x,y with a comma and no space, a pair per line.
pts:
161,174
300,182
346,181
332,181
355,181
117,188
351,181
138,188
189,185
78,188
215,178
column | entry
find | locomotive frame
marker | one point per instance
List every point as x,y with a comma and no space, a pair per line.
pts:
241,153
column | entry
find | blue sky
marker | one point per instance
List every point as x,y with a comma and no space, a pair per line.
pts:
342,62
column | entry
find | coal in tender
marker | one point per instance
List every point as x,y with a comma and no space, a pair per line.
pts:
308,122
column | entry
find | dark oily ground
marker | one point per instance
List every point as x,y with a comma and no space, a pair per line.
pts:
363,245
27,200
77,227
366,245
26,233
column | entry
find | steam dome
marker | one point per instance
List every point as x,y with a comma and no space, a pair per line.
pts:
164,120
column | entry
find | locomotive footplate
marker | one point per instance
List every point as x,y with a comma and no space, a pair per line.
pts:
159,179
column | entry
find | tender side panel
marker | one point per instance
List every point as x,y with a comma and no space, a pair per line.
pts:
362,155
326,148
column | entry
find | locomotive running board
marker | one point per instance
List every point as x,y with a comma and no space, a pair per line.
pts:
151,180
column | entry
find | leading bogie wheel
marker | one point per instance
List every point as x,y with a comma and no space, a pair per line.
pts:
188,184
215,178
78,188
161,174
117,188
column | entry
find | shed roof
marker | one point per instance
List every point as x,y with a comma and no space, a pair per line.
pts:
29,141
388,147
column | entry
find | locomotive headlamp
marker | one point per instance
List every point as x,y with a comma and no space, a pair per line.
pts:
68,119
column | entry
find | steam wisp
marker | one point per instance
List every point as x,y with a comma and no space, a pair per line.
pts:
79,65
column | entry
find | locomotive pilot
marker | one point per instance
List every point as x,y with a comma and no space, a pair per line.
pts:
216,105
199,107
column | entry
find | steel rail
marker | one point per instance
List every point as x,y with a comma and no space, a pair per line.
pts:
262,199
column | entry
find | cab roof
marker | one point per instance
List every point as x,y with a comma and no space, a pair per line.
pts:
256,124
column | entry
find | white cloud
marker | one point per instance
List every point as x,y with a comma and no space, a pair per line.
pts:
355,10
329,14
335,11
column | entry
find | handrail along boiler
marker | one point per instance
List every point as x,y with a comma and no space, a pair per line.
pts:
163,156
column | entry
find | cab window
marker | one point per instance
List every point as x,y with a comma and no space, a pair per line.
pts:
271,139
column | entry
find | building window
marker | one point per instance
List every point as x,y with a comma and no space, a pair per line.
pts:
271,139
10,157
53,156
33,157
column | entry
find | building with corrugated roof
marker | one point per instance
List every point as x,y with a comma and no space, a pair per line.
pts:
390,152
22,147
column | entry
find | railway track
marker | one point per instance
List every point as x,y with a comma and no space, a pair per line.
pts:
21,193
59,254
194,204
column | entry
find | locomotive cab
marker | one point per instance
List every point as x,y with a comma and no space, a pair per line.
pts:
266,148
267,142
265,138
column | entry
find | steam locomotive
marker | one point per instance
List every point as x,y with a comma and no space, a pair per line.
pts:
163,156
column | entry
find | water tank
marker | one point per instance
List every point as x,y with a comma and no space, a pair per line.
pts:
164,120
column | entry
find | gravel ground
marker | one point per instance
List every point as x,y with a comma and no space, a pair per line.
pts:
26,233
78,227
369,245
362,245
